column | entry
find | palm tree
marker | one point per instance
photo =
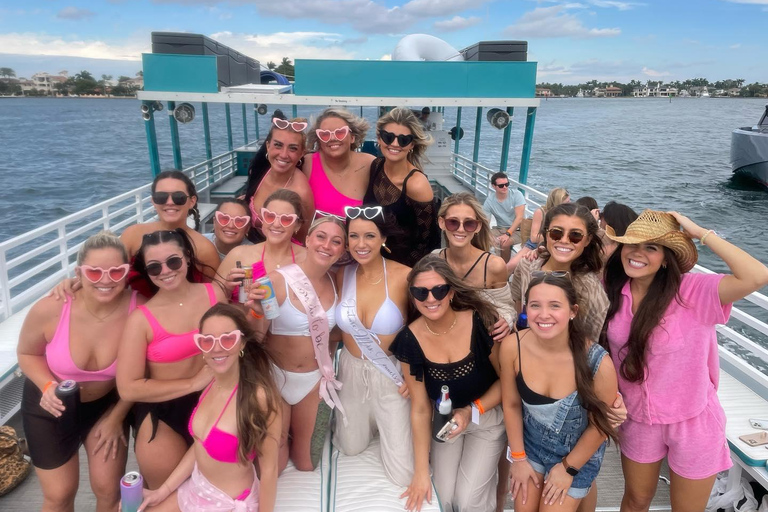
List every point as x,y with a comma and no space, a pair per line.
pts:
103,83
271,65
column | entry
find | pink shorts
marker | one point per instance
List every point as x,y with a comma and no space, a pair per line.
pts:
695,448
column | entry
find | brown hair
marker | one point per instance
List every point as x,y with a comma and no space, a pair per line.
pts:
290,130
590,259
288,196
663,289
175,174
481,240
255,377
464,296
579,345
405,117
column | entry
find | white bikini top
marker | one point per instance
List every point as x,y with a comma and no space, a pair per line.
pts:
388,320
293,322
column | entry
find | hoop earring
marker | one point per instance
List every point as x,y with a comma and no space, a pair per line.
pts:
242,352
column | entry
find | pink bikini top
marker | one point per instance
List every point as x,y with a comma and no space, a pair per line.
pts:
167,347
219,445
328,200
59,357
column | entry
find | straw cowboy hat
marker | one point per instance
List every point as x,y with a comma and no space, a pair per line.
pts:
662,229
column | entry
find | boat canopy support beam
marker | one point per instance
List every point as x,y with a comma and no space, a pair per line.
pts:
458,131
207,133
175,144
228,115
476,150
256,123
530,120
505,142
149,127
245,125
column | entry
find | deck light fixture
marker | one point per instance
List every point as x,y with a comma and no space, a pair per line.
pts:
261,108
184,113
498,118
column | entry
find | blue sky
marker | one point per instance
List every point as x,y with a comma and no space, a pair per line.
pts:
572,40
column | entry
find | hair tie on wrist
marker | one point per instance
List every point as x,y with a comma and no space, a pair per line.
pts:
48,384
256,315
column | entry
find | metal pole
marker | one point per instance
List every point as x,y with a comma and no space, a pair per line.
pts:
530,119
174,136
154,154
295,111
245,126
476,151
505,143
458,131
228,115
207,133
256,122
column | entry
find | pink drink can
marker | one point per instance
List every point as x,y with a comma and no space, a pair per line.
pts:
131,491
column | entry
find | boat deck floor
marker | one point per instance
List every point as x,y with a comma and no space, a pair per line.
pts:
27,496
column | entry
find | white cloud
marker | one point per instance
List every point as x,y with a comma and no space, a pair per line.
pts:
294,45
546,22
753,2
735,46
430,8
75,14
654,73
387,56
30,43
622,6
457,23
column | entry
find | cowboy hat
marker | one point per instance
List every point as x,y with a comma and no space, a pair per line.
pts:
659,228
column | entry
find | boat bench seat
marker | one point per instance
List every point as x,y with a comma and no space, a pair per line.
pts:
740,404
233,187
206,213
11,381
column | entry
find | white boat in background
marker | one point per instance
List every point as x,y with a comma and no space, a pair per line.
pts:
749,151
580,94
704,94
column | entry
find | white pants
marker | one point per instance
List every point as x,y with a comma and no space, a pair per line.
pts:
372,402
465,470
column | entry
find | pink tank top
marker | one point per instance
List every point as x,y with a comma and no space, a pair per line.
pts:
59,357
220,446
328,200
168,347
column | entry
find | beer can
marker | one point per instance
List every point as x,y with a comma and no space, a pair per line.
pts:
131,491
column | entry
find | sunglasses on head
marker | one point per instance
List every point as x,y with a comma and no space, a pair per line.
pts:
535,274
155,268
282,124
420,293
370,212
453,224
285,219
95,274
556,234
238,221
389,138
338,134
178,198
227,341
502,185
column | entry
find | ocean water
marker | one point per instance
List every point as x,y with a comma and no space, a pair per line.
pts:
58,156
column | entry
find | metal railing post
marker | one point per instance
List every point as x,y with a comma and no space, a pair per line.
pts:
4,286
476,151
458,131
154,154
530,120
245,125
228,115
175,145
256,122
505,144
63,248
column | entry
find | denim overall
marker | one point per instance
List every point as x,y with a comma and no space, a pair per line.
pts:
551,431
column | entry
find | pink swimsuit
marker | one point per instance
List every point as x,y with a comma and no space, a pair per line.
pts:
59,356
220,446
328,200
167,347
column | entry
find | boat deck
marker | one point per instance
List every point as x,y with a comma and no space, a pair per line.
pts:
27,496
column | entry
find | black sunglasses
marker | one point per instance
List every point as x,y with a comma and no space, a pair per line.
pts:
420,293
389,138
155,268
502,185
178,198
574,236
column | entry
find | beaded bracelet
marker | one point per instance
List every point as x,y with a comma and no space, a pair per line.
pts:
704,236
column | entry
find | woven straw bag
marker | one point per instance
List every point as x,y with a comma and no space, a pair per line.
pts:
14,468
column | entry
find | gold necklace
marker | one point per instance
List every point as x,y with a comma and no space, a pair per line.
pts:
368,280
455,317
102,318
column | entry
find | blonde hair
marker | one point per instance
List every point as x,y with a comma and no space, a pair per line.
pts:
102,240
481,240
556,197
405,117
358,127
328,218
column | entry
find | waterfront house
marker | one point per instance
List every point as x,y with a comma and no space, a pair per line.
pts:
612,92
543,93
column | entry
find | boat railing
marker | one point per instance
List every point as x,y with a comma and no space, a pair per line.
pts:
32,263
742,356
